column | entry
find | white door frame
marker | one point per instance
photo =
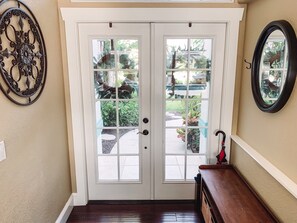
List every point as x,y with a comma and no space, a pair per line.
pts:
74,16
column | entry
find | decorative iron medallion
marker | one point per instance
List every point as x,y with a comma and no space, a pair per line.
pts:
23,63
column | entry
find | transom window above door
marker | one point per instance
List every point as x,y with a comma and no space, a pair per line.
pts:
156,1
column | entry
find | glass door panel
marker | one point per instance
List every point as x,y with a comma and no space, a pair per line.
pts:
188,75
191,78
116,67
116,90
185,80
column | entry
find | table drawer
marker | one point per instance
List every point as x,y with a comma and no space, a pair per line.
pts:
206,209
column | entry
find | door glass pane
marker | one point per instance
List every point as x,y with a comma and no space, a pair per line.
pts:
128,54
177,53
107,141
128,84
175,167
187,91
129,141
103,54
174,113
193,112
175,144
176,84
106,113
200,53
116,87
107,168
128,113
199,84
104,82
129,168
193,162
193,140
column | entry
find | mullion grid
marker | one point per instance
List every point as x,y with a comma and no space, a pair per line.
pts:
187,99
116,71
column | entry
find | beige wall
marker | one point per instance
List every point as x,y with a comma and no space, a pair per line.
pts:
272,135
276,197
35,179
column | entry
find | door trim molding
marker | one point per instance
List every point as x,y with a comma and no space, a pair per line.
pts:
74,16
65,213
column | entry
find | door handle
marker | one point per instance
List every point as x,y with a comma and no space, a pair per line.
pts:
144,132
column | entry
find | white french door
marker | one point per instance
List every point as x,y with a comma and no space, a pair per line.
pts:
116,93
152,99
187,86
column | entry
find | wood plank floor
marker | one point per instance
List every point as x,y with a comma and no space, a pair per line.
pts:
137,212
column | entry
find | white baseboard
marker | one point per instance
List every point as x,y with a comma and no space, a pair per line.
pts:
277,174
66,211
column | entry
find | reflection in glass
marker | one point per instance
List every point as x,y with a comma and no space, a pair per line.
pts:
116,87
187,84
128,84
273,67
200,53
128,54
176,53
104,83
103,54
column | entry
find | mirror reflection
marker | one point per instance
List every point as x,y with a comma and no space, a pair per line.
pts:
273,67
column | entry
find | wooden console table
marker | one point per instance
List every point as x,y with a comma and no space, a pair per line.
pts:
226,197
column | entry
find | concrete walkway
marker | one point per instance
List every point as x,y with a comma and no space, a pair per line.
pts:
129,165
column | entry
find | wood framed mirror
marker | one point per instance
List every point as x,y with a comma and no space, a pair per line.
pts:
274,66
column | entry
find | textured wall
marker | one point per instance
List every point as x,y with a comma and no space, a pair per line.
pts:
276,197
35,179
272,135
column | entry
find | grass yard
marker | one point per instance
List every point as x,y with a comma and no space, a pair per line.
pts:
175,106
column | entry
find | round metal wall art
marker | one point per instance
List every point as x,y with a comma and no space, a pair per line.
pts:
23,62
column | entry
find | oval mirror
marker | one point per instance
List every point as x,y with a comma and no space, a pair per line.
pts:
274,66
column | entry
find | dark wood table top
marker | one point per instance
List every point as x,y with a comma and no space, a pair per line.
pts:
234,199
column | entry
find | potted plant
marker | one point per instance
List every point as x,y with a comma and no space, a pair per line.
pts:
192,119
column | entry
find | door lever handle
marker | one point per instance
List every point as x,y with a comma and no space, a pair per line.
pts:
144,132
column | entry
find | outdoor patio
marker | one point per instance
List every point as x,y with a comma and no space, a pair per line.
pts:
129,163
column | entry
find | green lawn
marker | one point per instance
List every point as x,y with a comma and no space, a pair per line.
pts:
175,106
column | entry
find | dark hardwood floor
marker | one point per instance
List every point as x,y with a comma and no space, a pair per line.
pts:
137,212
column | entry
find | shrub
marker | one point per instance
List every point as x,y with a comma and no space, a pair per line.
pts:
193,135
128,113
108,112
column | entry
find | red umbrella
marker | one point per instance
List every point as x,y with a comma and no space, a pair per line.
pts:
221,157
